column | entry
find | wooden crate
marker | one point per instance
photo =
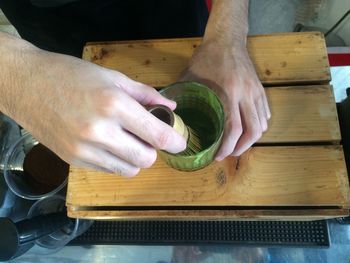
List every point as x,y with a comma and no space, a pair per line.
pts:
296,171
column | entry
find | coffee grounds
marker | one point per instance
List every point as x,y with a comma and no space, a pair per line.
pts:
43,170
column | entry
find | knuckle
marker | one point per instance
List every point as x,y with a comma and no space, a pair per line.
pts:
255,134
87,131
140,159
148,89
107,104
148,127
75,152
162,140
235,128
146,124
159,138
254,119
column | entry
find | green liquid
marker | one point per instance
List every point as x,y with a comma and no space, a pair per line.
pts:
203,123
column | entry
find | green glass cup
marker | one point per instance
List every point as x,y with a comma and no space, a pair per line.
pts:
201,109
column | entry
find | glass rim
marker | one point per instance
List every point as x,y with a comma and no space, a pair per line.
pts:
48,198
222,125
7,174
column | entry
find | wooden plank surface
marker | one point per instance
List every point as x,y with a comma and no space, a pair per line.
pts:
309,180
278,58
302,114
263,176
272,214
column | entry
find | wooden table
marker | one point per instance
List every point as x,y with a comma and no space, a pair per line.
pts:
295,172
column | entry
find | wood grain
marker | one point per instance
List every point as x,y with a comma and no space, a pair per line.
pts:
278,58
272,214
263,176
267,182
302,114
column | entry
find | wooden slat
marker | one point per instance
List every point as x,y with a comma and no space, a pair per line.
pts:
263,181
278,58
263,176
276,214
302,114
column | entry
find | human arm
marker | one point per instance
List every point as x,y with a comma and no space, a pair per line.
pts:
89,115
222,62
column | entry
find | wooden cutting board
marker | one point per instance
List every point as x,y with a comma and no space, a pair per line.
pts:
296,171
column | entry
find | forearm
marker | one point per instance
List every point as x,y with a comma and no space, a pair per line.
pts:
16,59
29,80
77,109
228,22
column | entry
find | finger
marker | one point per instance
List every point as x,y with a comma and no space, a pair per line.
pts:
143,93
233,131
251,129
117,141
106,161
267,107
147,127
79,163
147,95
93,167
261,113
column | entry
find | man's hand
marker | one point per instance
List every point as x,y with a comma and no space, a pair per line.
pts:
222,62
89,115
229,71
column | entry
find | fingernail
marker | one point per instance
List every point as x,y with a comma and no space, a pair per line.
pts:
172,105
219,158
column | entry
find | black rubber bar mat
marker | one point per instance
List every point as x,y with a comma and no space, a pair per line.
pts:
264,233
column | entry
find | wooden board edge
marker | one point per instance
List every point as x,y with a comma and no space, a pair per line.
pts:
322,80
283,215
156,40
267,83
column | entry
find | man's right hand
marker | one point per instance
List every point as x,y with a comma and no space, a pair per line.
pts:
89,115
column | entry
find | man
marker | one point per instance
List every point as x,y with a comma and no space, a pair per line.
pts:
94,117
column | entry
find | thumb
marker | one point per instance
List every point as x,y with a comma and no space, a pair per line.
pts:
144,94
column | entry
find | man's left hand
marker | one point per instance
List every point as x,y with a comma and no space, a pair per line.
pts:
231,74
